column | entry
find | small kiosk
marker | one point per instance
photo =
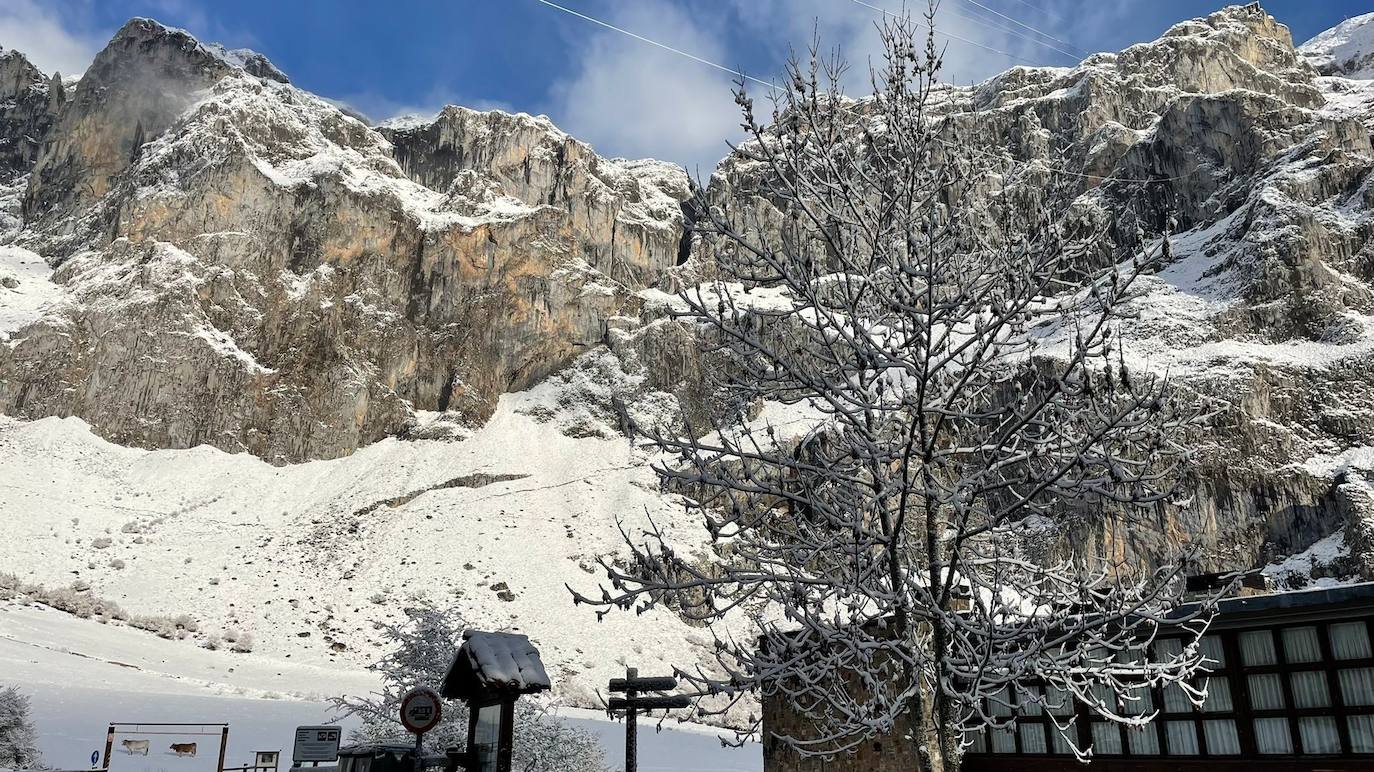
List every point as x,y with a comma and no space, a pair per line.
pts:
490,672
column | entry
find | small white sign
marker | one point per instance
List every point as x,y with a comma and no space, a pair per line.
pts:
420,710
316,743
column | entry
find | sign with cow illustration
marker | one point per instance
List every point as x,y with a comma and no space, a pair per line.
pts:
175,747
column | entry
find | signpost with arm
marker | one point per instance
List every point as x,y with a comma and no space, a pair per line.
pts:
632,686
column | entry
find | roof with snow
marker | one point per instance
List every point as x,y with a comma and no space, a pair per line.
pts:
494,666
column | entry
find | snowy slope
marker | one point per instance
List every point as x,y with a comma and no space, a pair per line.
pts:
26,289
307,558
80,675
1346,49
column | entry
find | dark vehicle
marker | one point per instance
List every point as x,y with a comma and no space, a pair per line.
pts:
377,757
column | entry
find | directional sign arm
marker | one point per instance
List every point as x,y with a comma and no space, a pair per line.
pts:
649,703
648,684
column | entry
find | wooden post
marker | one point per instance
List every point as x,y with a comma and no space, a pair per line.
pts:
223,747
109,746
631,731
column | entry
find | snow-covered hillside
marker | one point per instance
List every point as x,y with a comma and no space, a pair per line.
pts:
1346,49
308,558
80,675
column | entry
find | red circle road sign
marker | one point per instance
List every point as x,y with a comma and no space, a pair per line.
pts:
420,710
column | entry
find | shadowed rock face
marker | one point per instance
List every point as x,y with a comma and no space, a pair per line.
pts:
29,103
250,268
1223,134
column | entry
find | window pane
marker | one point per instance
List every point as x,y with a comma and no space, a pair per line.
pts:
1137,701
1319,735
1059,701
1131,655
1300,644
1257,648
1176,700
486,738
1143,740
1357,686
1266,692
1218,695
1361,733
1211,649
1221,737
1027,700
978,741
1060,742
1272,736
1349,640
1309,689
1181,737
999,703
1032,737
1168,648
1106,738
1003,741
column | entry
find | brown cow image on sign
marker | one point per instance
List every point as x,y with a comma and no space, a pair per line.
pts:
184,749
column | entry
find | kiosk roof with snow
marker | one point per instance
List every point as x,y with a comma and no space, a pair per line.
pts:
492,667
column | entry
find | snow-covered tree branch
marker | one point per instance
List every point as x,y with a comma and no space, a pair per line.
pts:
968,404
425,645
18,738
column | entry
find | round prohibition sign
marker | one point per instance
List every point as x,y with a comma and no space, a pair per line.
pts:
420,710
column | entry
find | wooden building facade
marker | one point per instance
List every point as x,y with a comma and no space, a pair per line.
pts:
1290,687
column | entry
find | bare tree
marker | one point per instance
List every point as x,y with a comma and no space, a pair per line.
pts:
905,562
426,644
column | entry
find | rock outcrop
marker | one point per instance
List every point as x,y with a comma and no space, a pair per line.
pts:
1223,134
249,267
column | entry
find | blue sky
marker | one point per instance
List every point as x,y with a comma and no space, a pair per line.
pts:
625,97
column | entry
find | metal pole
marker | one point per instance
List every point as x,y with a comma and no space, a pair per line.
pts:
223,746
109,746
631,731
419,750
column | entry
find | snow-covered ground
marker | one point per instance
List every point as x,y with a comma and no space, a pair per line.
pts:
81,675
308,558
25,289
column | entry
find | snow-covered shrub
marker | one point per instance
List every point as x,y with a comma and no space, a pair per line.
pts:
426,643
243,645
18,738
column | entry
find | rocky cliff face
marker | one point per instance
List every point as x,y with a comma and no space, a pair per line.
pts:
1224,134
243,265
249,267
29,103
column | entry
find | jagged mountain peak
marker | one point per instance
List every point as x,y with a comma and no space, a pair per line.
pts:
1346,49
144,34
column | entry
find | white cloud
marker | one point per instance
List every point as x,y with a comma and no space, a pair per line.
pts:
631,99
48,41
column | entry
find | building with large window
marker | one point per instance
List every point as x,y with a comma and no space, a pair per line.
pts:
1290,687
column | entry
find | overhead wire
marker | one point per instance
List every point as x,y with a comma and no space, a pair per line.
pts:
663,46
947,143
1020,23
988,23
1014,57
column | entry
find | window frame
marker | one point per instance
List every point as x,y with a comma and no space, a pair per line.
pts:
1241,713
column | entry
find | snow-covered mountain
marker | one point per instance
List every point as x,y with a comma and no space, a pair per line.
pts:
281,371
1346,49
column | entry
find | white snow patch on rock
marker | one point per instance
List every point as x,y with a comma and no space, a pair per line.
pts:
26,289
